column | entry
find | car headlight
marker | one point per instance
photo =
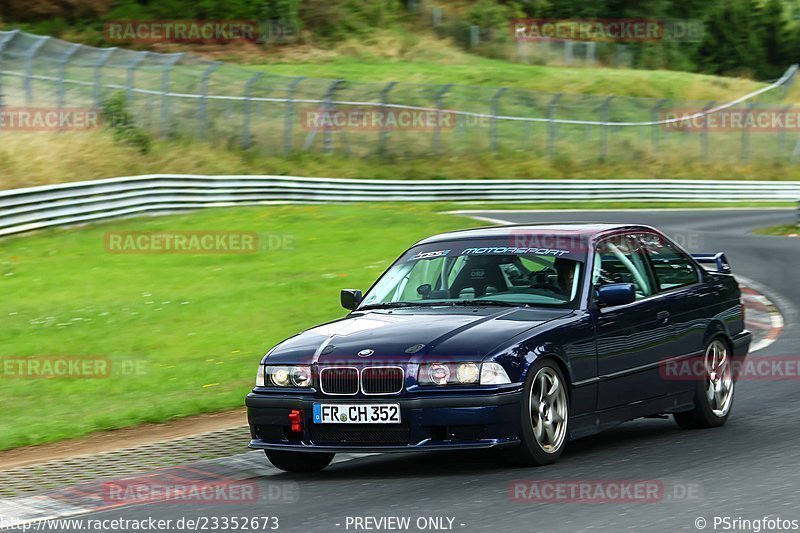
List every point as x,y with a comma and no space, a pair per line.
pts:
284,376
439,374
462,374
300,376
467,373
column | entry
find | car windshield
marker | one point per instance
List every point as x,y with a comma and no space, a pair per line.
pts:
484,272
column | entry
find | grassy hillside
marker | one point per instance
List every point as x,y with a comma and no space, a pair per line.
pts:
388,55
497,73
41,158
28,158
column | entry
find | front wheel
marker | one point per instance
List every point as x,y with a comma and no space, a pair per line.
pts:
713,398
301,462
544,417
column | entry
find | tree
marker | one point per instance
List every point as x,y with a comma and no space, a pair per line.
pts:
732,41
775,39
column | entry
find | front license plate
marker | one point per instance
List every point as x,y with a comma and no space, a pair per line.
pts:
358,413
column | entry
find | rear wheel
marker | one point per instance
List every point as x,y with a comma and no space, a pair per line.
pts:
713,397
299,461
544,417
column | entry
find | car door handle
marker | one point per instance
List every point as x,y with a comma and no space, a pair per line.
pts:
663,316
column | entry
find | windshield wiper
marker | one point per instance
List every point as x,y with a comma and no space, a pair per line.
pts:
498,303
391,305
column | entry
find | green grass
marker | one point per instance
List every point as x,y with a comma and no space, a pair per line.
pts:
498,73
196,324
29,159
786,229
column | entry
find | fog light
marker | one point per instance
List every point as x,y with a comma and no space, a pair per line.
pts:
467,373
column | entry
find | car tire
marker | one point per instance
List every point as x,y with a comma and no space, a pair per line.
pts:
300,462
713,397
544,417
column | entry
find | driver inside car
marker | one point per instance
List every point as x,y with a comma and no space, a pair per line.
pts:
558,278
565,276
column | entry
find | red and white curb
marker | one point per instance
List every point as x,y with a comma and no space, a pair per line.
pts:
762,316
93,496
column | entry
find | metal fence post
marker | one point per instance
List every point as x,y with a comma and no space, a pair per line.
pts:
551,126
327,139
203,107
248,94
167,67
746,134
568,52
289,120
327,107
29,56
654,116
384,135
62,72
437,16
437,132
98,75
474,36
604,111
3,45
704,133
782,132
591,53
140,56
790,80
495,113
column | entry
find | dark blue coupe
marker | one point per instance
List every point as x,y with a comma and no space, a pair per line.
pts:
515,337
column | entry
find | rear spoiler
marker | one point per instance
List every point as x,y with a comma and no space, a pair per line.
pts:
717,259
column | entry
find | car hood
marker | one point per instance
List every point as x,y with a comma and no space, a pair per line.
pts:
402,335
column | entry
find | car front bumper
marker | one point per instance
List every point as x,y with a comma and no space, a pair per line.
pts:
428,423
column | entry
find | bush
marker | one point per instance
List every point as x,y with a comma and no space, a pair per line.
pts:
121,122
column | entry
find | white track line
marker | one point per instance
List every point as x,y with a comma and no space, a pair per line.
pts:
472,213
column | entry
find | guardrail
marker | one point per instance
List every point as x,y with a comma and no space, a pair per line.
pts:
66,204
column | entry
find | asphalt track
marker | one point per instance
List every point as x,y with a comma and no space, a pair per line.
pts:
748,469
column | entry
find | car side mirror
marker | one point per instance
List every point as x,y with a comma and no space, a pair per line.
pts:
616,294
350,298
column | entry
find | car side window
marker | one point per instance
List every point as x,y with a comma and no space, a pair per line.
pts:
620,259
672,267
